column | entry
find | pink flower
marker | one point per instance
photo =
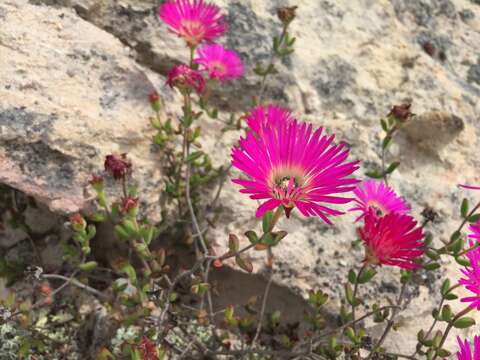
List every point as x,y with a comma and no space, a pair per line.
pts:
392,240
475,231
291,165
375,195
193,20
262,116
465,352
220,63
472,277
186,79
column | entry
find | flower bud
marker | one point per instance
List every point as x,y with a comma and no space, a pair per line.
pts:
117,165
45,289
401,112
77,222
129,205
96,182
186,79
154,101
286,14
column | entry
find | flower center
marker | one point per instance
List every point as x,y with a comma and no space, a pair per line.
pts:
193,31
218,68
378,209
286,184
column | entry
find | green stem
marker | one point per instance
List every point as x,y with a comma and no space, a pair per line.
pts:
192,53
355,291
390,322
385,176
460,227
276,216
272,57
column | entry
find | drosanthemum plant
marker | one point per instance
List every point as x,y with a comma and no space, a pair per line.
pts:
193,20
376,196
267,116
294,166
393,239
465,350
219,63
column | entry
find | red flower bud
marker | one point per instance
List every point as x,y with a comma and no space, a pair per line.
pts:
217,263
96,182
155,101
78,222
129,203
286,14
117,165
401,112
186,79
45,289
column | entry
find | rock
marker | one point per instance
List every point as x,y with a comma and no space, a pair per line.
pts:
75,89
467,15
433,130
84,95
474,73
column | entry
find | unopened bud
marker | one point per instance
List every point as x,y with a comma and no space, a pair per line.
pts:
45,289
77,222
186,79
401,112
129,205
154,101
117,165
286,14
96,182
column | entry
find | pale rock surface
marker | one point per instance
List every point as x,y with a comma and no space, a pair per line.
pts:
71,93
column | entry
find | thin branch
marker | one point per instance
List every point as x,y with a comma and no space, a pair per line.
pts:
76,283
174,283
264,306
391,321
355,291
341,328
271,62
222,182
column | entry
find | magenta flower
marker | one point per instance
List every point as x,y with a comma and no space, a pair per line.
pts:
291,165
193,20
472,277
475,231
376,195
271,116
465,352
186,79
219,63
392,240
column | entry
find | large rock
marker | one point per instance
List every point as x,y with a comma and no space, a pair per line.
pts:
72,92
